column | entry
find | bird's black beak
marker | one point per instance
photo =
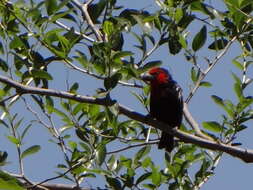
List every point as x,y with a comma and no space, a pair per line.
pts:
147,77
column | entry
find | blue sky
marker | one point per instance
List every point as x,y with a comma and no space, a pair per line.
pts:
231,173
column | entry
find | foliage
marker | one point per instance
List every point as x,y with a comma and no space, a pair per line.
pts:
95,40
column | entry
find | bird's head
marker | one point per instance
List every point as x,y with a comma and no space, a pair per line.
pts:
156,76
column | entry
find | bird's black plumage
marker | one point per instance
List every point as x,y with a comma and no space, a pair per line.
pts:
166,103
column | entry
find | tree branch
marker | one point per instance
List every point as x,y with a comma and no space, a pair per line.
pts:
131,146
76,32
84,9
188,117
244,154
85,71
215,61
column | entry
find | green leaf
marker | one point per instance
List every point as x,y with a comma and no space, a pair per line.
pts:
31,150
126,162
100,154
78,108
82,59
1,48
174,44
74,87
25,131
16,43
7,182
51,6
63,115
146,162
205,84
201,7
3,65
72,145
95,10
93,110
112,163
182,41
185,20
156,176
64,14
41,74
237,64
236,78
213,126
108,27
238,90
194,76
114,183
141,153
3,157
121,54
179,14
219,101
241,128
14,140
218,44
111,82
143,177
200,39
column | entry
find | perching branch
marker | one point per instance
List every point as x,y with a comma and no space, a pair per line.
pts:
188,117
244,154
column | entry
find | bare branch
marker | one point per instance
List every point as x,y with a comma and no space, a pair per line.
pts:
84,9
25,89
188,117
244,154
132,146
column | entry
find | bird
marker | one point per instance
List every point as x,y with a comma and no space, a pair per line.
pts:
166,102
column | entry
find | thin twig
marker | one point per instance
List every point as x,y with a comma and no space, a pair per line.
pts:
84,9
99,77
76,32
147,54
215,61
59,176
131,146
216,162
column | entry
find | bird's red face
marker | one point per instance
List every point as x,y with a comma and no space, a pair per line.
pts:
157,76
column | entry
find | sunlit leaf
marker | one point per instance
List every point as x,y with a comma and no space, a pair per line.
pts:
213,126
7,182
29,151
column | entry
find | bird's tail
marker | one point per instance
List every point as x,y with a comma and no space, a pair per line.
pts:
166,141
